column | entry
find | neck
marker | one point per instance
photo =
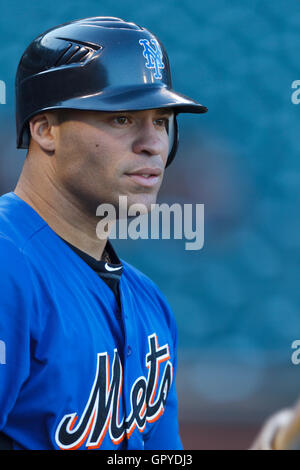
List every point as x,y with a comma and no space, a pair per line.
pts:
62,212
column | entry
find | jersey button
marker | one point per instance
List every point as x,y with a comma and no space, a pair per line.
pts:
129,350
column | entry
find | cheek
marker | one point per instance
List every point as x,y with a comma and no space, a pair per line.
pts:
87,159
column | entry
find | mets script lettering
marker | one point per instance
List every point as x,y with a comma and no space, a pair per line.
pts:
147,398
153,55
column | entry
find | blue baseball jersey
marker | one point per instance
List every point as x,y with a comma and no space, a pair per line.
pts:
78,369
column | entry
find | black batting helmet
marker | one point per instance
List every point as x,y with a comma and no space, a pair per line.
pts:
99,64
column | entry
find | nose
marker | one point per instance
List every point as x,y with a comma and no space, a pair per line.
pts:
150,141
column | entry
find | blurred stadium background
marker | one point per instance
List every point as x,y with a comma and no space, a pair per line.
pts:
237,301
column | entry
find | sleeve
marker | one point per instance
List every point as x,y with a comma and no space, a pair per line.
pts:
15,311
165,433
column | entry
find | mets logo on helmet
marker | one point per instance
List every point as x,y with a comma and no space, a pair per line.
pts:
153,56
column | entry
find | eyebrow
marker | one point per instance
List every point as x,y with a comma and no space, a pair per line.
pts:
159,112
164,112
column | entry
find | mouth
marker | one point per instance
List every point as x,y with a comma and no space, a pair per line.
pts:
146,177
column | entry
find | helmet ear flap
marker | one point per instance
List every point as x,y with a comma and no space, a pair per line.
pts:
173,138
25,138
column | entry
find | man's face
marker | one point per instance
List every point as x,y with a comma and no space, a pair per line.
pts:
102,155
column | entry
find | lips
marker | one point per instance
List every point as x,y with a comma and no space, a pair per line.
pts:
145,176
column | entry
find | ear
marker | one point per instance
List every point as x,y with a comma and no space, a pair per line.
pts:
42,129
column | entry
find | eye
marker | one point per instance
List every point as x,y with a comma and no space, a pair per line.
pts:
162,122
121,120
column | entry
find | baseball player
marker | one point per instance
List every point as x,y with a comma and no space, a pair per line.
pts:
88,343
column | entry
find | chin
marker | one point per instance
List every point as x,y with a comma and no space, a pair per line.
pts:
129,205
146,200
